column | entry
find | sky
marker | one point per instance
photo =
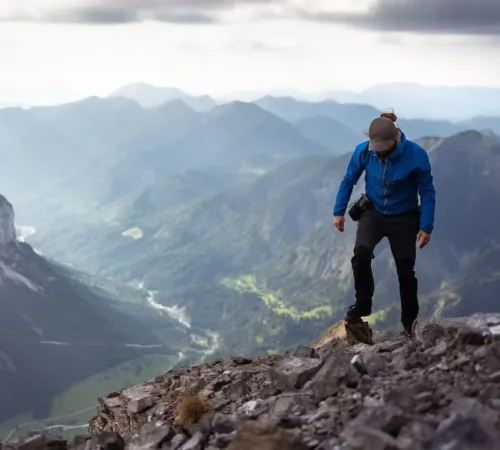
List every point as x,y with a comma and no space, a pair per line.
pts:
60,50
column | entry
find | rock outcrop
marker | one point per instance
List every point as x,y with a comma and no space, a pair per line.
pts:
440,390
7,227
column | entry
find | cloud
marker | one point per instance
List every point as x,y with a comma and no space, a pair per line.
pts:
125,11
479,17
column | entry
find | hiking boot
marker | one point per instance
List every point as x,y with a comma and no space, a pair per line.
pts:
355,313
408,331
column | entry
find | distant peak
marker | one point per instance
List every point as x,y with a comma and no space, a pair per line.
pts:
237,106
176,105
7,228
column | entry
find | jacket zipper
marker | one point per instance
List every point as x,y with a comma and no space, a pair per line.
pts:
385,185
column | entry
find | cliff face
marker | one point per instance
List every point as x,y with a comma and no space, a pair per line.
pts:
440,390
55,330
7,229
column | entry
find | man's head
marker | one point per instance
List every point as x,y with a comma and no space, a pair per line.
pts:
383,134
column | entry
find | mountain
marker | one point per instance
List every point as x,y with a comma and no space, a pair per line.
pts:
66,335
412,100
149,96
263,255
329,133
485,122
90,153
84,155
356,117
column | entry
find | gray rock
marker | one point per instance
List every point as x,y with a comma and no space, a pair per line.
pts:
294,373
439,350
440,390
287,404
358,363
223,440
464,433
330,444
195,443
389,419
373,439
177,441
374,363
413,432
137,405
336,373
111,441
305,352
251,409
224,423
263,436
151,437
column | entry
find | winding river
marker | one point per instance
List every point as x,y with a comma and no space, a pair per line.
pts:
178,314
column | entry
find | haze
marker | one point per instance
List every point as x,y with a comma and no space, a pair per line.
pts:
55,51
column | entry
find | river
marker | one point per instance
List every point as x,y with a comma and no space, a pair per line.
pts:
178,314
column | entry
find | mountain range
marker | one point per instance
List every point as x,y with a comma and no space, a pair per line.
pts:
201,232
261,252
127,147
411,100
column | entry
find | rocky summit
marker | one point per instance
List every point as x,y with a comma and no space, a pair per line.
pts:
438,390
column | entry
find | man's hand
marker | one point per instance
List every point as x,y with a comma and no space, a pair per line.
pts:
423,237
338,222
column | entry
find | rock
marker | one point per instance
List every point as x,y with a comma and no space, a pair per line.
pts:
336,373
488,325
111,441
287,404
293,373
224,423
358,363
439,350
373,362
468,335
251,409
305,352
389,346
223,440
195,443
137,405
388,419
240,360
413,432
177,441
439,390
373,439
464,433
348,333
253,435
430,331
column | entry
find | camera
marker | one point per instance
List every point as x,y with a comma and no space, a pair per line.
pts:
359,207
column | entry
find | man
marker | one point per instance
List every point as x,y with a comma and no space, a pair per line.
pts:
397,171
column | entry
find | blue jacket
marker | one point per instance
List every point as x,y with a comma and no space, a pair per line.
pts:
392,185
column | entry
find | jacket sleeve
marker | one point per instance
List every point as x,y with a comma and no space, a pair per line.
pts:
427,194
351,177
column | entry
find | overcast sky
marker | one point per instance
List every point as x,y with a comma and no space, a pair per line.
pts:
59,50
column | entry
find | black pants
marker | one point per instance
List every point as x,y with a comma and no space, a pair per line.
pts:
402,232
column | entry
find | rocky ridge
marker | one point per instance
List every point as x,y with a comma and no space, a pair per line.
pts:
7,227
440,390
